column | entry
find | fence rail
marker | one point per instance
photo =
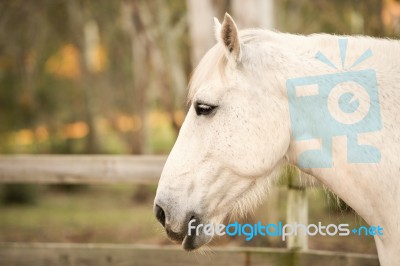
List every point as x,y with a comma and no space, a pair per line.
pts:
106,254
90,169
75,169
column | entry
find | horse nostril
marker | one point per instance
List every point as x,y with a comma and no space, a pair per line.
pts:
160,214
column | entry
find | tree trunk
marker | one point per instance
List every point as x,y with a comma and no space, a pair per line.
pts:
201,28
141,69
78,22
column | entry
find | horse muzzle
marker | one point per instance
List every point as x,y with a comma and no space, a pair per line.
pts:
189,240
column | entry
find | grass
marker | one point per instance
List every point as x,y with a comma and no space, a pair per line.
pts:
98,214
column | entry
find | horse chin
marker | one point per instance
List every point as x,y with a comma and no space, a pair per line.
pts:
193,242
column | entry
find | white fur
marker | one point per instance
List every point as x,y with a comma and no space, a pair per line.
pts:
224,162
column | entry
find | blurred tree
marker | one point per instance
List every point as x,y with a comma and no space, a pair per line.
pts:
83,34
157,39
83,76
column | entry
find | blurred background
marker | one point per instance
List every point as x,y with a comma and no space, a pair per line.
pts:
110,77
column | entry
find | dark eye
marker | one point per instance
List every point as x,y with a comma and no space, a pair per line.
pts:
203,109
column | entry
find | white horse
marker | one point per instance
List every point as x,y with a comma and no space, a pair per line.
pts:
240,129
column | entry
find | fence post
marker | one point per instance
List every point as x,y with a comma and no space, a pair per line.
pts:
297,211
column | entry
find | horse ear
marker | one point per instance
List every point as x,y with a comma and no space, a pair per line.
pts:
229,36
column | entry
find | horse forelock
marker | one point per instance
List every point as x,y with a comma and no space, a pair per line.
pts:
213,60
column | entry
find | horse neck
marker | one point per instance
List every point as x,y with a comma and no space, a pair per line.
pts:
359,185
370,189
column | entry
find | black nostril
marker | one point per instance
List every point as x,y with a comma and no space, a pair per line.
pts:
160,214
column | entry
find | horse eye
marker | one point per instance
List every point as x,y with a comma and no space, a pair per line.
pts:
203,109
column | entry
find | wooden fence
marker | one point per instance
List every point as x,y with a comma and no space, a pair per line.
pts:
106,254
78,169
